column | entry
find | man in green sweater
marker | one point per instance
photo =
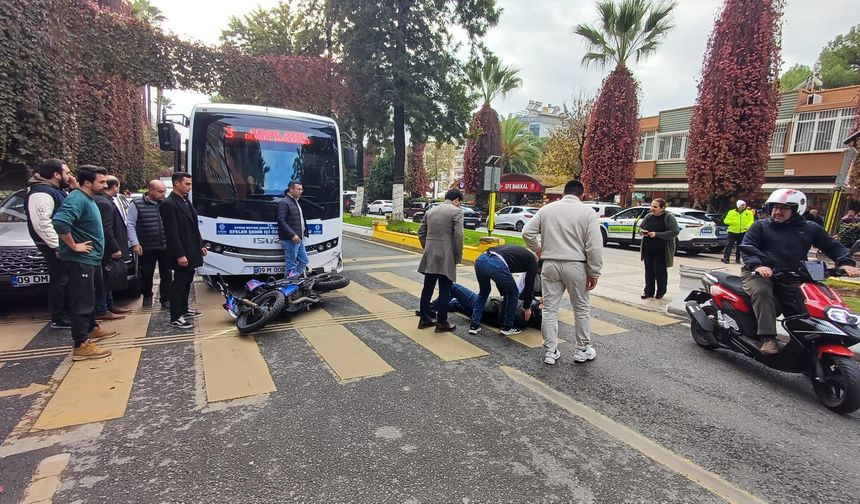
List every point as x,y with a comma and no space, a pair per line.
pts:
79,226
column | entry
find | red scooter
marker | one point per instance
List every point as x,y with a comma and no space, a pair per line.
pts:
820,329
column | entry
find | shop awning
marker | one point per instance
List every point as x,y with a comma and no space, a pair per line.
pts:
766,187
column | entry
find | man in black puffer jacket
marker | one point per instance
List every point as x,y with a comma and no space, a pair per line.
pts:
292,229
784,241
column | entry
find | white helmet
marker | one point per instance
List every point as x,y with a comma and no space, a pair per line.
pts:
791,197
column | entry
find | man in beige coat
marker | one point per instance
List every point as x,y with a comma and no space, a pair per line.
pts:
571,247
441,235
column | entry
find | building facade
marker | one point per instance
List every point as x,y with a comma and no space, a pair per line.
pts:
539,119
806,150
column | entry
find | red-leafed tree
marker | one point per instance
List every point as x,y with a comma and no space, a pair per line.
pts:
484,139
735,114
416,183
630,28
608,166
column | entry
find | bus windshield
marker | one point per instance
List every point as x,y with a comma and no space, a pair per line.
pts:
241,165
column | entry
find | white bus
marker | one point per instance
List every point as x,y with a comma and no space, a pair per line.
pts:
241,159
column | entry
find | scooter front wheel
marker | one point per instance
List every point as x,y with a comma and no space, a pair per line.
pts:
269,306
840,390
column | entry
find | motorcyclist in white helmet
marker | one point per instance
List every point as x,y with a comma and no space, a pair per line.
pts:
785,239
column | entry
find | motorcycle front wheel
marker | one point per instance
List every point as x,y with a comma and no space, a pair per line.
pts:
269,307
333,282
840,391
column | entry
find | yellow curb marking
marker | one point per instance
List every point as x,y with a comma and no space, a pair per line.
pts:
93,391
648,447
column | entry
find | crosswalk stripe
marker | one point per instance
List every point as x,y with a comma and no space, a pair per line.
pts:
597,326
233,368
631,312
344,352
133,326
18,335
92,391
530,336
446,346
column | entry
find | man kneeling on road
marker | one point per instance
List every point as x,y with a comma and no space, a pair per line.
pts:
498,264
784,241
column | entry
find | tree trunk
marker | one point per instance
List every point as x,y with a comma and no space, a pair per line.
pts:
399,160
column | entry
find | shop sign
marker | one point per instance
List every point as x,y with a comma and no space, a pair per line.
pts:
520,187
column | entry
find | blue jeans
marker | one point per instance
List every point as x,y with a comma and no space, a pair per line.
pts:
491,267
295,256
462,300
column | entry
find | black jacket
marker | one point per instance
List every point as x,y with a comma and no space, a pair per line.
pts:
181,231
116,233
520,260
289,219
494,313
786,245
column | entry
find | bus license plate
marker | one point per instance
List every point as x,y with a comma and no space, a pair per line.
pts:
28,280
262,270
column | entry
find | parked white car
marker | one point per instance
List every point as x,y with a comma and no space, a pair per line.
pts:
696,234
381,207
514,217
603,209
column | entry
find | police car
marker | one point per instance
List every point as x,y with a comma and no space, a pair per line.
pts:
696,234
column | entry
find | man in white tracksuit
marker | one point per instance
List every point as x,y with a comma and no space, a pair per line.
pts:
566,235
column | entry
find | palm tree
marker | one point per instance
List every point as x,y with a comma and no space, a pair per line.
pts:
628,29
490,79
520,147
631,28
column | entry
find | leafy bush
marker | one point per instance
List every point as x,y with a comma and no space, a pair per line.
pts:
849,233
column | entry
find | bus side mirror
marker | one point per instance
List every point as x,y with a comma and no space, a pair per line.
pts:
349,159
168,137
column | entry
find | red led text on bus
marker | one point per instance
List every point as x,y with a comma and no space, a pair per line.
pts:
266,135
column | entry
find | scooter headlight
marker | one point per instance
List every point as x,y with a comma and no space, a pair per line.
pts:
842,316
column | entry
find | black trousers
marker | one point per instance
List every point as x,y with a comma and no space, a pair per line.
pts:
734,239
81,298
445,284
59,279
147,270
655,272
180,290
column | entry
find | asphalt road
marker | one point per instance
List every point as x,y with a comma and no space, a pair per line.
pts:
653,419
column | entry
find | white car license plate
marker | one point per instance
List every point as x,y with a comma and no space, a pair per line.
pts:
28,280
262,270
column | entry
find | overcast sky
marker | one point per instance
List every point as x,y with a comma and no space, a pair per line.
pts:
536,36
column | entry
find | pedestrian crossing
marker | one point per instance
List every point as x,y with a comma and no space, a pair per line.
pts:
232,364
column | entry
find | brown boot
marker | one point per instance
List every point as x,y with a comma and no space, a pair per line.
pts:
89,350
101,334
424,323
109,316
116,310
769,347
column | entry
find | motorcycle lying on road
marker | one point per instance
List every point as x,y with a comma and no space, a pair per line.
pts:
266,300
820,333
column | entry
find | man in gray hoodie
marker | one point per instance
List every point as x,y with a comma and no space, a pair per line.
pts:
566,235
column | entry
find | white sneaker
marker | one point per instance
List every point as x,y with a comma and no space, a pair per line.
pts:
510,332
584,354
182,323
474,329
552,357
